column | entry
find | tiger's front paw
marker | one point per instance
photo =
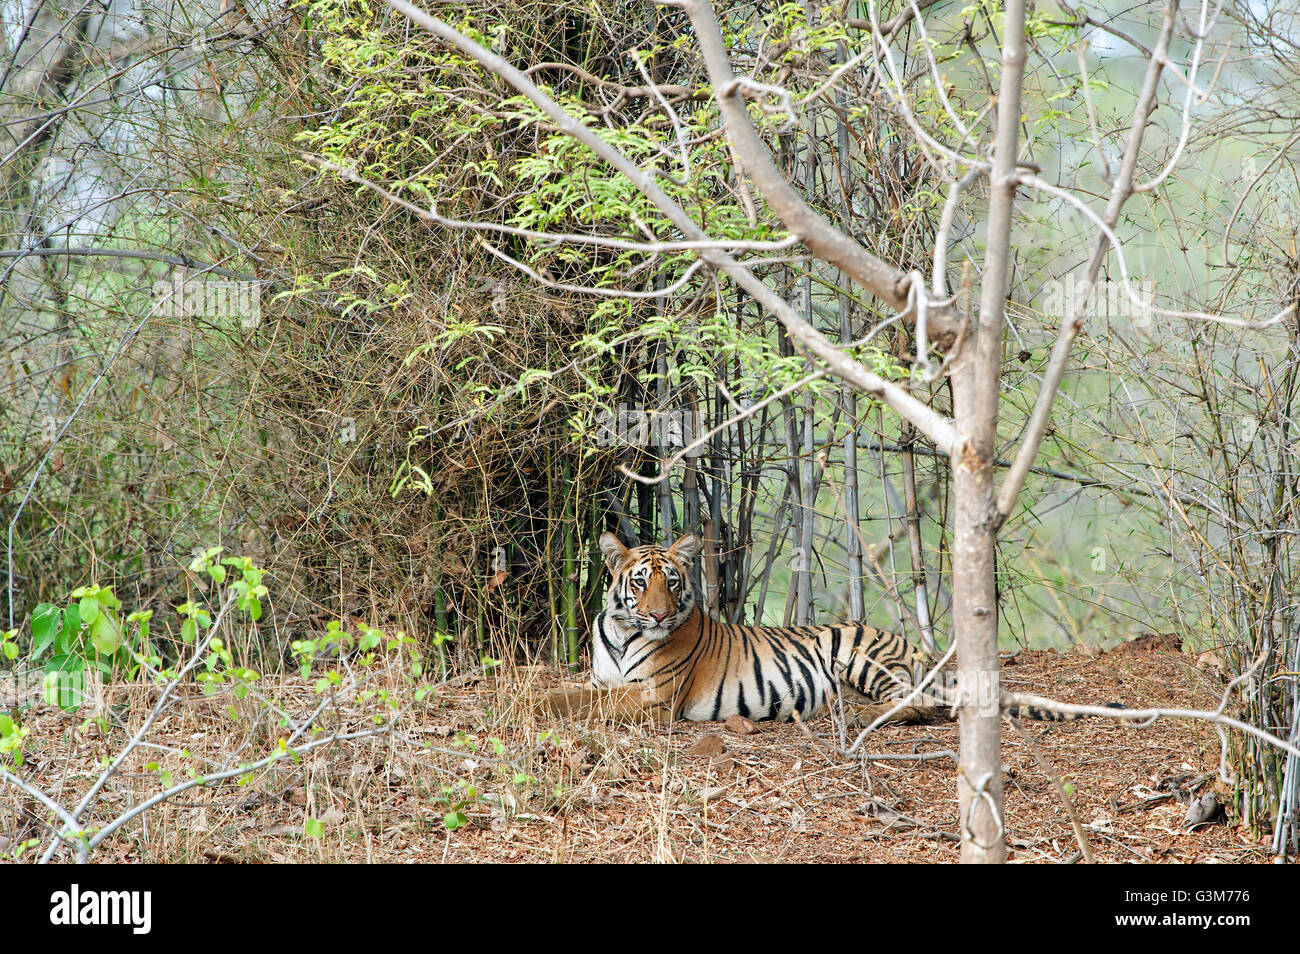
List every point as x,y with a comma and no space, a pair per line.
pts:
571,701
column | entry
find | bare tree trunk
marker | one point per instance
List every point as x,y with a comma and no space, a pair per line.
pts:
975,392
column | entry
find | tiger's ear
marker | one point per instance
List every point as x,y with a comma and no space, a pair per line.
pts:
687,548
615,552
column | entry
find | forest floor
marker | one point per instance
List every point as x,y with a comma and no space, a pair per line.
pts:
521,788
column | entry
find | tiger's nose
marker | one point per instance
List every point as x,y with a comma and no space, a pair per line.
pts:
658,617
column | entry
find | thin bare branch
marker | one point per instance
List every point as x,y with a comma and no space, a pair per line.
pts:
821,237
1077,311
930,422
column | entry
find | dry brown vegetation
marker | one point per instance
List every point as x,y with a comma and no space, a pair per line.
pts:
551,791
408,431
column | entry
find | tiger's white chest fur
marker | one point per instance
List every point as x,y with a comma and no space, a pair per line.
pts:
607,652
620,654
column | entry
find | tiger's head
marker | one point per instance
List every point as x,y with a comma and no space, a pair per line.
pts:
651,590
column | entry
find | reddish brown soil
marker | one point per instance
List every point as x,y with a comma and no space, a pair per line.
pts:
552,791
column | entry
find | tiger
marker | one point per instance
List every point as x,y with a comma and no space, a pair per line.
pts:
657,654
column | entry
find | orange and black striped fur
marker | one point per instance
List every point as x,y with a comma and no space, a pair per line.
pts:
655,653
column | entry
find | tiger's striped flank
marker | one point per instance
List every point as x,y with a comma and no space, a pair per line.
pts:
655,651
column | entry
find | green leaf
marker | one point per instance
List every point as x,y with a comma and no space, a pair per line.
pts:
70,630
45,626
60,686
105,635
313,828
65,663
11,738
89,607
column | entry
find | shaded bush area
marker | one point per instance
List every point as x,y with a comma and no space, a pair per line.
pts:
412,431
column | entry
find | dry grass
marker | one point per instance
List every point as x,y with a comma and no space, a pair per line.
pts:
551,791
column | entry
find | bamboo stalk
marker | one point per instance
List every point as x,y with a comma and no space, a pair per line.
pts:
848,394
711,565
781,526
852,506
691,516
720,509
440,600
569,595
664,487
743,538
913,518
595,589
551,523
795,491
792,434
729,575
807,492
